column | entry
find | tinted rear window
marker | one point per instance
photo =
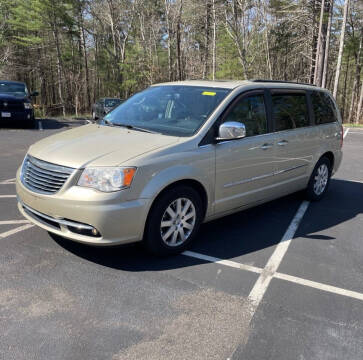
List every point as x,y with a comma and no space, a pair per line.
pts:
323,107
289,111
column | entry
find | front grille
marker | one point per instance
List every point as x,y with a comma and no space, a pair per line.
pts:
11,105
43,177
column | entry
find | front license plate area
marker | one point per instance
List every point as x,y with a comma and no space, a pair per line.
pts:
5,114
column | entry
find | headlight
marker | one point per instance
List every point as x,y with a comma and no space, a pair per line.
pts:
28,106
107,179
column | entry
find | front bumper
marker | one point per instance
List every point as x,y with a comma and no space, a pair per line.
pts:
17,115
75,211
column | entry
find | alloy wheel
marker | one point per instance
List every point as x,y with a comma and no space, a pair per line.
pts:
177,222
321,179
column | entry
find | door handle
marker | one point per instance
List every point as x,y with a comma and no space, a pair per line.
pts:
282,143
266,146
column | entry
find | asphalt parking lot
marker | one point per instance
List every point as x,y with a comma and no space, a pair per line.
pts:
280,281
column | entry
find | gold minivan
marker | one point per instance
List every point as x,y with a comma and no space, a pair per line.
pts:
179,154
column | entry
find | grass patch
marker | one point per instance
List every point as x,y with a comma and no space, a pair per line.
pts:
353,125
80,116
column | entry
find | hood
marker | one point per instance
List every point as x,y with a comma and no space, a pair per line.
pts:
97,145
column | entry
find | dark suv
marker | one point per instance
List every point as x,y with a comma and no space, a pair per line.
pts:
15,104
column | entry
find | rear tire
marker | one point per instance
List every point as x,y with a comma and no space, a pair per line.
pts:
319,180
173,221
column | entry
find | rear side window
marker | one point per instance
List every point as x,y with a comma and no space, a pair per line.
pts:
250,111
323,107
289,111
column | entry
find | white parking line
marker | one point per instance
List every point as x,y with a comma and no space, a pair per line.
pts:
345,134
16,230
356,132
278,275
223,262
319,286
11,222
356,181
262,283
6,182
7,196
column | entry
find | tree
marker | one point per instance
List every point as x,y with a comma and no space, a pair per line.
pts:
74,51
341,47
327,46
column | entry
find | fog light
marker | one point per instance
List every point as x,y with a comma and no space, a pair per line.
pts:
94,232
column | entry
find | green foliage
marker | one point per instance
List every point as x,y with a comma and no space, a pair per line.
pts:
229,64
75,51
31,19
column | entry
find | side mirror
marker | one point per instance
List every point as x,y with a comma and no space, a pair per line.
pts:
34,93
231,130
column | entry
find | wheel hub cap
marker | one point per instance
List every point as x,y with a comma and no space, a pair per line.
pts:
177,222
321,179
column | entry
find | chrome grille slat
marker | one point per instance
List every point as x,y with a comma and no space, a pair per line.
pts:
42,183
41,187
39,169
51,167
43,177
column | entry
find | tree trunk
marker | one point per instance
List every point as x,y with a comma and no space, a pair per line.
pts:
96,76
84,52
214,40
358,117
345,88
326,57
168,30
355,91
206,43
236,36
341,47
59,69
267,35
313,45
321,48
178,41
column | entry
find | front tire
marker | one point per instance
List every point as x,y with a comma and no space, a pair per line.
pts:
30,123
173,221
319,180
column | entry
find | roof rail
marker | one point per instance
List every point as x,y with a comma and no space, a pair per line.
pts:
280,81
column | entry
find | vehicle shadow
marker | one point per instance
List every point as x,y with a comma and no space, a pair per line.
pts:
53,124
239,234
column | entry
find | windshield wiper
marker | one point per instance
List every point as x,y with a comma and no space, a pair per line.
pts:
131,127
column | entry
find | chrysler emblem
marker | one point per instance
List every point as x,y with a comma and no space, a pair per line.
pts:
5,104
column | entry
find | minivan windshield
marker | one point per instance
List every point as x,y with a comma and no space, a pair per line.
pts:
175,110
16,89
